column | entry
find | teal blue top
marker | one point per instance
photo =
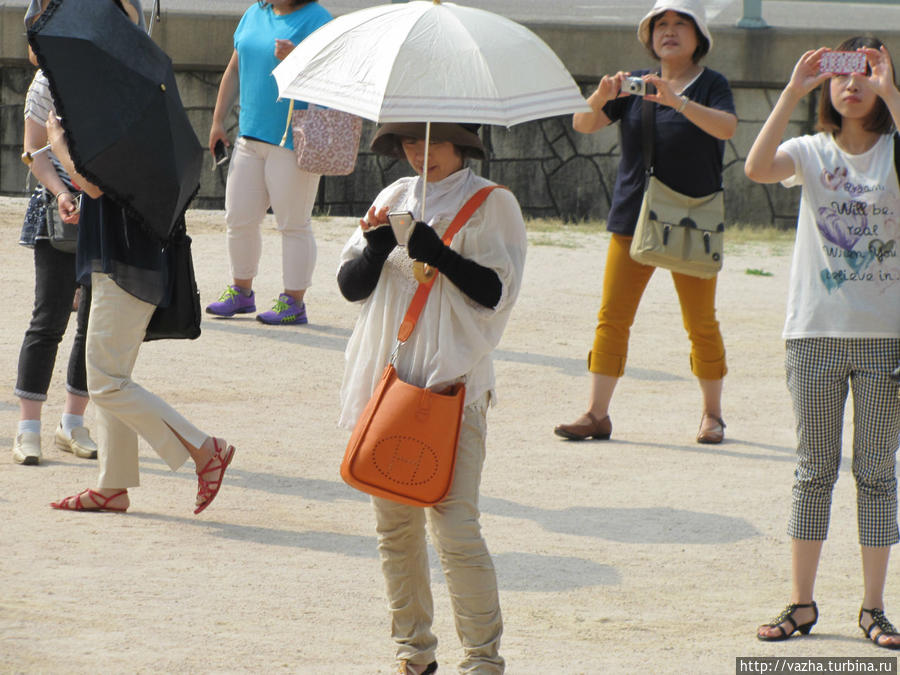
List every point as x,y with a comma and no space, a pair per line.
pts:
262,115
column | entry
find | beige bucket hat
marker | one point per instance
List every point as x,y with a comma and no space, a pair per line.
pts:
387,137
693,8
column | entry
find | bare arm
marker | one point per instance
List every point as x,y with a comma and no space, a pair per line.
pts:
717,123
229,88
607,90
41,167
61,149
882,80
45,172
765,164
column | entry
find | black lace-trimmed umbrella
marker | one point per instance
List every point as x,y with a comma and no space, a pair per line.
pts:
127,130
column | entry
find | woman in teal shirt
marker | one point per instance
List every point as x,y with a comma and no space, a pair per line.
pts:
261,173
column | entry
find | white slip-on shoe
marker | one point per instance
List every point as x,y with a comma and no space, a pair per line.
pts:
27,448
80,444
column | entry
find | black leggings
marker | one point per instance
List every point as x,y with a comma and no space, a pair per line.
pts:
54,291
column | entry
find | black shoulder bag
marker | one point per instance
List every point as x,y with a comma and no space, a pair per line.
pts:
180,319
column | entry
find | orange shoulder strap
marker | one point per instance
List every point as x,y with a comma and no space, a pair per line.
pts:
418,302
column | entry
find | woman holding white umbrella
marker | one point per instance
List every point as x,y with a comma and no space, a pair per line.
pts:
436,71
479,276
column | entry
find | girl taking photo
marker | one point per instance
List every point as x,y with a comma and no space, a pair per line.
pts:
842,329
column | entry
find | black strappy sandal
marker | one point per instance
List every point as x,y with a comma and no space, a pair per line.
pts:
788,615
881,621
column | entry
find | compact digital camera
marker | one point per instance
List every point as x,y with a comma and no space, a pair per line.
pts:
636,86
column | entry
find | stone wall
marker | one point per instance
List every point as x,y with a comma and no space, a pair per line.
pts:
554,171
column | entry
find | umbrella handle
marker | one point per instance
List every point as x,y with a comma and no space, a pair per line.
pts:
28,157
154,14
422,271
425,166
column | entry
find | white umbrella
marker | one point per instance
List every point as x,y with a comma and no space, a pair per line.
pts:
427,61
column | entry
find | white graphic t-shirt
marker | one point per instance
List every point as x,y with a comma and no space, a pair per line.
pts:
845,273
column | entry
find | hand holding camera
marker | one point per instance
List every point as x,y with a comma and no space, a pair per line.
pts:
636,86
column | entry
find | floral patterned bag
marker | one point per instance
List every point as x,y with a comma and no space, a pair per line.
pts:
326,141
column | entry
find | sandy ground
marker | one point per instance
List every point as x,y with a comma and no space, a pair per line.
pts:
649,553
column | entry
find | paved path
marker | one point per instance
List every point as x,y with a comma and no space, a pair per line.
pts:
648,553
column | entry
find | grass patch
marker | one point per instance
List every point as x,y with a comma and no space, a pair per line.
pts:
740,233
758,273
555,226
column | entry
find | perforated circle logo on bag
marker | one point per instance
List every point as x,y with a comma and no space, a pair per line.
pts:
405,460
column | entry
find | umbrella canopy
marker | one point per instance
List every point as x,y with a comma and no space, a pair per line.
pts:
126,127
427,61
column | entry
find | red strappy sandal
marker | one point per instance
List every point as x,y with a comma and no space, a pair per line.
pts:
208,489
100,503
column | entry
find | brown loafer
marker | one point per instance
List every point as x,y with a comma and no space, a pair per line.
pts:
586,426
715,434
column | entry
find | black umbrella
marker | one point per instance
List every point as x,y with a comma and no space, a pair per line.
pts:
127,129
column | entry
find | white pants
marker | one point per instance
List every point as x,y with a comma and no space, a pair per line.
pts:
467,564
124,409
262,175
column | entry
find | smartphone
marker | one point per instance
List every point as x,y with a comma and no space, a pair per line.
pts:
842,63
401,223
220,153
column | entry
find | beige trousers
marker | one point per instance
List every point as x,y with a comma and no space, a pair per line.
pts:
124,409
261,175
464,556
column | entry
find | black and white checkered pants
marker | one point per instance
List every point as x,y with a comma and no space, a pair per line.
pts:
819,373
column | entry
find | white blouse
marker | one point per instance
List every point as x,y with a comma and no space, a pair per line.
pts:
455,336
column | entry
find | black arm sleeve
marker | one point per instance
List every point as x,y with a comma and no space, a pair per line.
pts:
358,277
477,281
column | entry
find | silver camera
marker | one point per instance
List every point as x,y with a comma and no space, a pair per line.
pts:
636,86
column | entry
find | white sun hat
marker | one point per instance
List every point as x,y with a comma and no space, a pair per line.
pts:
693,8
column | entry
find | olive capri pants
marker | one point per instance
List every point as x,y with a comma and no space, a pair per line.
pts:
624,281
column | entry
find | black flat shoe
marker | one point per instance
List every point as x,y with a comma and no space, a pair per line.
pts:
788,615
880,621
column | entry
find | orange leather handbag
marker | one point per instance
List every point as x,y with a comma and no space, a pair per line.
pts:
403,447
